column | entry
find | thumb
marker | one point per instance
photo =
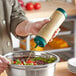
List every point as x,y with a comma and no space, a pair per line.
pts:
4,60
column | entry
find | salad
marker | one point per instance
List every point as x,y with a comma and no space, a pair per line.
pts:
33,60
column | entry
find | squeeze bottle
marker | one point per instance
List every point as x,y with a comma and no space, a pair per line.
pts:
47,31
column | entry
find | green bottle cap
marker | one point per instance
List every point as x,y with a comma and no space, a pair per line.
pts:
63,11
39,41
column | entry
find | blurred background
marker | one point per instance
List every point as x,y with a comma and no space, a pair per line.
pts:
65,42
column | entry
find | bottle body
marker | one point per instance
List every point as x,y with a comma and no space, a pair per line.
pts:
48,29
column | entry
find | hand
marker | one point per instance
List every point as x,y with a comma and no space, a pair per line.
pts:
35,27
3,64
26,27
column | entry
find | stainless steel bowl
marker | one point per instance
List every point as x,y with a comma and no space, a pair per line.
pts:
31,70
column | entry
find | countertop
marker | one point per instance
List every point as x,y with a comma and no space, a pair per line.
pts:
48,7
61,70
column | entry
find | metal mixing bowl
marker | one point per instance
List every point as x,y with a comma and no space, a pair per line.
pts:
31,70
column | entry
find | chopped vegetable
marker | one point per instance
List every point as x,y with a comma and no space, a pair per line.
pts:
34,61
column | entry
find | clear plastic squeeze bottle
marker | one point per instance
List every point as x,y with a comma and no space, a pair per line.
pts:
47,31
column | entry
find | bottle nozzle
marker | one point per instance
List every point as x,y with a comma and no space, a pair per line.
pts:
36,45
39,41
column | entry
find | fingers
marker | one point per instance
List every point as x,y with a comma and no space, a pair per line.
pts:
35,31
40,24
36,26
1,70
3,63
55,34
4,60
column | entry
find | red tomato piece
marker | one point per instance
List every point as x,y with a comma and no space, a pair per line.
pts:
29,61
29,6
34,63
20,64
37,6
14,62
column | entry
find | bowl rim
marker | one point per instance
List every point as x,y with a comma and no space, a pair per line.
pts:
70,62
32,66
